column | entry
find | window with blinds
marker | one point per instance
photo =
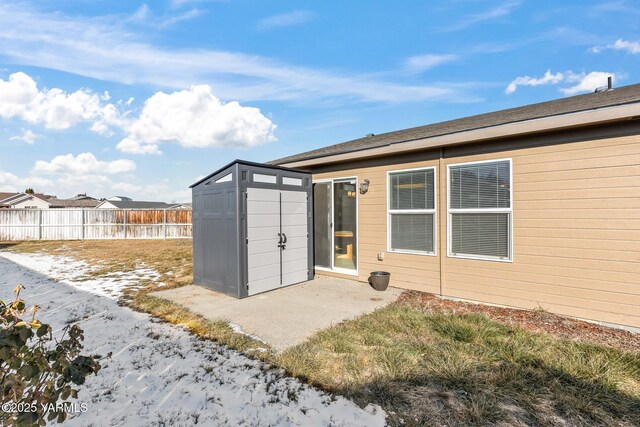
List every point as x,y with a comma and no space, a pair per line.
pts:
411,211
480,210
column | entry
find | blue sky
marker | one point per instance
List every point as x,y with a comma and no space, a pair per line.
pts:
142,99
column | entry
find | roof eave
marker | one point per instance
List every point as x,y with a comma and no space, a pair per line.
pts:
525,127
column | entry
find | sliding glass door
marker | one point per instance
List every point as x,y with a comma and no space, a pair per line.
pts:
322,224
336,225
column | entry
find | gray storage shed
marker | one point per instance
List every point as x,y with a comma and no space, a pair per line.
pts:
252,228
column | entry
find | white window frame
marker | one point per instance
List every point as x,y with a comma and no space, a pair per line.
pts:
413,211
508,211
333,268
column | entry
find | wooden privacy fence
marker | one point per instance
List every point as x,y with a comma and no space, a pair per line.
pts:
80,224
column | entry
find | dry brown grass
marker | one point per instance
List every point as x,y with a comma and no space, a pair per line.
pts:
172,258
432,367
424,360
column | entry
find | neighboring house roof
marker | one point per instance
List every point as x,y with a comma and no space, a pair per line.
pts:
120,198
82,197
581,103
41,196
181,206
4,196
10,199
73,203
133,204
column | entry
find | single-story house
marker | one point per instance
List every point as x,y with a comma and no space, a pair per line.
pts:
186,206
24,201
531,207
132,204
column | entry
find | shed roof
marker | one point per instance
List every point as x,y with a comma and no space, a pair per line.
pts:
248,163
591,101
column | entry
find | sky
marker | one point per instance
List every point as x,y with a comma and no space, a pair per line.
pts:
142,99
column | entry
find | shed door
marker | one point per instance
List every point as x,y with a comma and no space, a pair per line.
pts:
277,239
295,253
263,226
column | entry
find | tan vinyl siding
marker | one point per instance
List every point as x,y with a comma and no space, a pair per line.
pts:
576,226
419,272
576,232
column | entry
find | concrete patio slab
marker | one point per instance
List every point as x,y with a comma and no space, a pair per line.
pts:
288,316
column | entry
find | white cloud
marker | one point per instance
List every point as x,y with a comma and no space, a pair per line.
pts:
195,118
631,47
12,183
144,15
296,17
497,12
191,118
580,82
548,78
27,136
420,63
96,184
83,164
587,82
20,98
54,40
132,146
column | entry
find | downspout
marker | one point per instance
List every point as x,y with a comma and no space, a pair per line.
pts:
442,228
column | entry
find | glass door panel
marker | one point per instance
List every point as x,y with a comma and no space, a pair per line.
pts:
322,224
345,225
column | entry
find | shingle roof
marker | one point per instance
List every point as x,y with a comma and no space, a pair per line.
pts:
139,205
6,196
574,104
81,197
73,203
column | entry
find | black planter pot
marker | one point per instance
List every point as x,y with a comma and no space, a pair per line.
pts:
379,280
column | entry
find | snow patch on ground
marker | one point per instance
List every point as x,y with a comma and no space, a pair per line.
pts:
238,330
74,273
159,373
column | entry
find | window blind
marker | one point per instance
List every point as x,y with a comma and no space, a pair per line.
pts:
485,234
480,209
412,210
480,185
413,232
412,190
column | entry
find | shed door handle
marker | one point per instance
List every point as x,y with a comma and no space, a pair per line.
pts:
285,239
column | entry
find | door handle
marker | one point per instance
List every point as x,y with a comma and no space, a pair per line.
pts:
285,239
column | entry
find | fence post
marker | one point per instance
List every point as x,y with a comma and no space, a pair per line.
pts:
39,224
124,211
81,223
165,224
